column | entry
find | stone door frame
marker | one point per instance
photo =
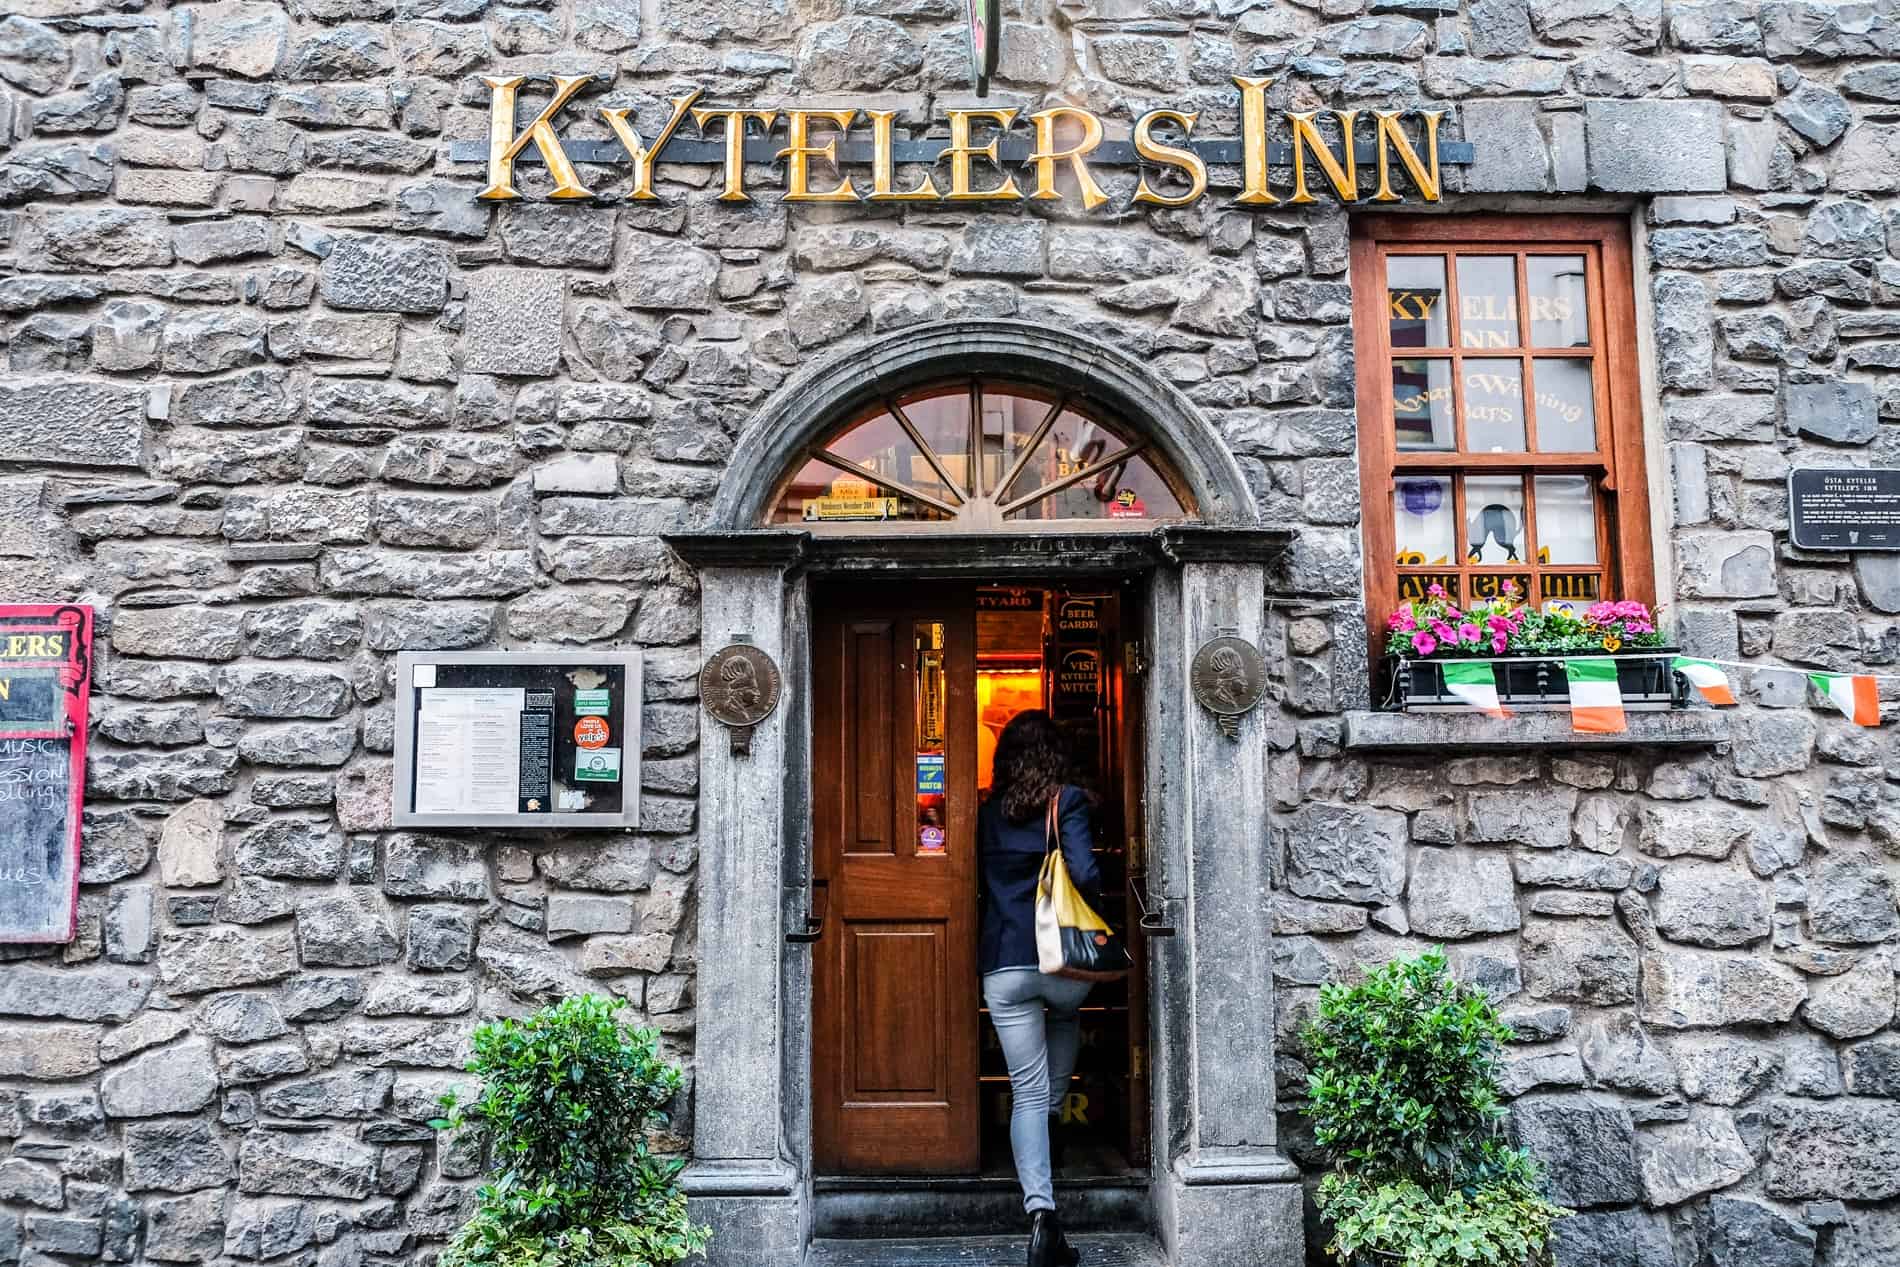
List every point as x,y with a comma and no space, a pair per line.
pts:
1223,1193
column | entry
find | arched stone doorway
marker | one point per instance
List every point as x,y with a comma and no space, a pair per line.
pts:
1220,1193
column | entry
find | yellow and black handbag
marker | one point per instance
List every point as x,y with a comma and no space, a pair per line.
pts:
1071,939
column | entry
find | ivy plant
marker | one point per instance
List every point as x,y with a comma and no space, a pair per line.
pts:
1402,1094
567,1100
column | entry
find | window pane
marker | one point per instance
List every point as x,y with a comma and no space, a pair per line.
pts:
1487,301
1494,406
1566,405
1131,490
1560,309
1421,405
1423,516
931,810
1494,519
1414,292
1566,519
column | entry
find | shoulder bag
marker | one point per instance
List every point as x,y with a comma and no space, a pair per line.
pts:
1071,939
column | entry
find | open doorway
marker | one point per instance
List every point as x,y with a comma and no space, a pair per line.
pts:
912,684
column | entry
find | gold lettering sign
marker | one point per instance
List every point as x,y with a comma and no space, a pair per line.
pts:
1062,136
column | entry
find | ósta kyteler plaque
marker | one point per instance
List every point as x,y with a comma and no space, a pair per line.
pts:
1844,509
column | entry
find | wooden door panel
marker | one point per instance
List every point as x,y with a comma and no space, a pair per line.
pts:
894,1039
896,981
871,657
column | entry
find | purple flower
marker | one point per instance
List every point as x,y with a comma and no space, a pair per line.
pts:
1424,643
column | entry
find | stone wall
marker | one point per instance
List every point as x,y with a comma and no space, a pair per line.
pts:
280,399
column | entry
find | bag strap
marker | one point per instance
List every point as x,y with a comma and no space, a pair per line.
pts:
1052,825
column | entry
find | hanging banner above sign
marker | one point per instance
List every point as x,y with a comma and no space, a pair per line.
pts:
982,157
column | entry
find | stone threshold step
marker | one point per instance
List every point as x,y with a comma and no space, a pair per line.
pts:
1107,1249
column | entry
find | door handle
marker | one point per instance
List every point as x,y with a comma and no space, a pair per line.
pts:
817,903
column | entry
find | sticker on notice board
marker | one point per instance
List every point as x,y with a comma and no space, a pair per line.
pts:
930,775
591,703
597,765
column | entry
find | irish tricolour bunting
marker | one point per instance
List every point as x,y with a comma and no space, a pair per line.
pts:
1854,694
1707,678
1475,684
1596,702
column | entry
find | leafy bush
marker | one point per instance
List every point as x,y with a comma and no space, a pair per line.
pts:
1402,1092
567,1098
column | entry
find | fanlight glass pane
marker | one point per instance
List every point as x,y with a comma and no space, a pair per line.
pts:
1132,489
1010,419
881,446
1414,297
821,493
942,418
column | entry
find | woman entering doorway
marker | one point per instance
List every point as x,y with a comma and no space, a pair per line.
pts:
1036,1015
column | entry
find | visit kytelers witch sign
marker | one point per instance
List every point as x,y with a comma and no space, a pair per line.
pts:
987,150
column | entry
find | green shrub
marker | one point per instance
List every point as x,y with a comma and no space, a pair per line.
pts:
567,1098
1402,1092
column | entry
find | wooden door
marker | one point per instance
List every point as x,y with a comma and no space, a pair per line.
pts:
895,994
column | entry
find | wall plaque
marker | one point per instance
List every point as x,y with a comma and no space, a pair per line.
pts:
518,739
739,688
1844,509
1229,678
45,689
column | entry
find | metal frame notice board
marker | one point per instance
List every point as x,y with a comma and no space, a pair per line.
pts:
518,739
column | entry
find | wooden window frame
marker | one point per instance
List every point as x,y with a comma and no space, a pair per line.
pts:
1625,550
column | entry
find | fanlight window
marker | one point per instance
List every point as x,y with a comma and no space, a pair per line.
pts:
1040,459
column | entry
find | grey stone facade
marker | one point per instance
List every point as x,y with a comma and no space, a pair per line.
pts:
281,399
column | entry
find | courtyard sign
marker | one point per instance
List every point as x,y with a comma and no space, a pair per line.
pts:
1062,138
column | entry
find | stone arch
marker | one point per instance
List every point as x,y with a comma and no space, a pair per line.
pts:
815,397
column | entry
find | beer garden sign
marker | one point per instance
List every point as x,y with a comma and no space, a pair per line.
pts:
1061,137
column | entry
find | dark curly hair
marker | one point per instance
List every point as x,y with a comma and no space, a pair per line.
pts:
1033,762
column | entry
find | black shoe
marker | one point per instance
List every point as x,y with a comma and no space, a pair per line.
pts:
1048,1247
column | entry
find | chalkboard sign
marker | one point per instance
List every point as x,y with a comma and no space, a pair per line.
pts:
1844,509
45,690
531,739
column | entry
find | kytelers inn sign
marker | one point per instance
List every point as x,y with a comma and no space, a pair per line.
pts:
983,158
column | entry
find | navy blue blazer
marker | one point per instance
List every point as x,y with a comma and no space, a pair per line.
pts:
1009,858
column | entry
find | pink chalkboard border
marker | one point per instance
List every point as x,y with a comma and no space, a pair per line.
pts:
76,677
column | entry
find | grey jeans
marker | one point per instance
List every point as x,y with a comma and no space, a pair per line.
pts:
1040,1047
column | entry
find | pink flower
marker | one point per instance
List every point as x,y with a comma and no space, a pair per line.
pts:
1510,587
1435,590
1638,626
1632,608
1467,632
1424,643
1497,644
1443,632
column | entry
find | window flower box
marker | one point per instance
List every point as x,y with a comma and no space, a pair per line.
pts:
1532,683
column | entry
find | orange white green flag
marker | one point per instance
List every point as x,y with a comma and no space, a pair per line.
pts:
1475,684
1854,694
1596,701
1707,678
